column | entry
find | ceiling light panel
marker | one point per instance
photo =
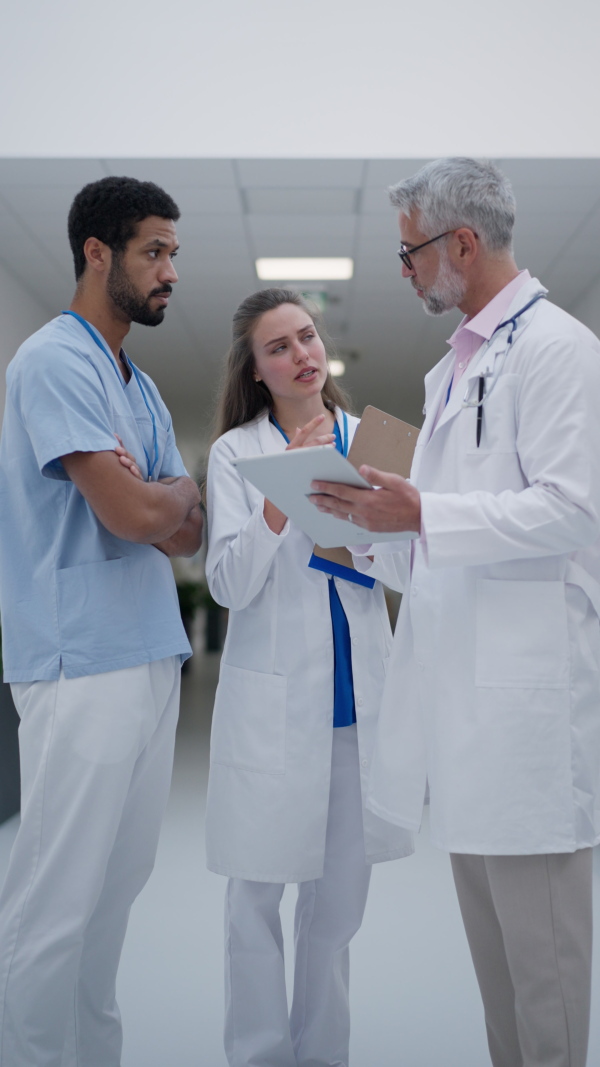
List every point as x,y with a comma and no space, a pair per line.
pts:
337,368
339,268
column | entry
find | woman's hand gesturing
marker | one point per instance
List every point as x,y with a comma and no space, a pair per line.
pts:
306,437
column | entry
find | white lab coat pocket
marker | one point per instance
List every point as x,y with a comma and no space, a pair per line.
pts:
499,418
522,637
249,718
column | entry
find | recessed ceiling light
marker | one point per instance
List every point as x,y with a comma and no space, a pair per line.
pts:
305,269
337,367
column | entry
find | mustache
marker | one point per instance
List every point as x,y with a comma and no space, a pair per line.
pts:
165,290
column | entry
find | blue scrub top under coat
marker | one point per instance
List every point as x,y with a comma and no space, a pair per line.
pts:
74,596
344,708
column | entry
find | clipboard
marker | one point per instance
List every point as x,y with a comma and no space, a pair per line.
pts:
384,442
285,478
381,441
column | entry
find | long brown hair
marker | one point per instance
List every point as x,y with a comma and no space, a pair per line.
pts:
241,398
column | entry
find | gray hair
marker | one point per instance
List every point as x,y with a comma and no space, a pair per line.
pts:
450,193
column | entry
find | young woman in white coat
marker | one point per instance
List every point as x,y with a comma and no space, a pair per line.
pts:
296,708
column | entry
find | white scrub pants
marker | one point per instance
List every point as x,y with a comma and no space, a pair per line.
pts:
329,911
528,921
96,759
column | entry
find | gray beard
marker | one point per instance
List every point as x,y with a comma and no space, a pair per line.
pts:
446,292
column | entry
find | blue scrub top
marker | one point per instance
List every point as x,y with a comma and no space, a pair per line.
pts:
72,595
344,709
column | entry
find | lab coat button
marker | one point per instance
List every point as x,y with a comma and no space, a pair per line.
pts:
420,664
360,701
414,590
363,763
355,640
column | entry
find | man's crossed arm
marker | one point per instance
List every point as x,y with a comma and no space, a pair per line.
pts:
165,514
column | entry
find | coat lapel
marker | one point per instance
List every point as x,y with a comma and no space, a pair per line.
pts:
483,360
269,437
436,387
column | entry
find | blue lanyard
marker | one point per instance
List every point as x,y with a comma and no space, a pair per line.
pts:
341,446
136,375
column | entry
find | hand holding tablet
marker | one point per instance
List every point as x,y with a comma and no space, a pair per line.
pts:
289,479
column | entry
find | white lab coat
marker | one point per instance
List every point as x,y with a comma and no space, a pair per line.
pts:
268,793
493,690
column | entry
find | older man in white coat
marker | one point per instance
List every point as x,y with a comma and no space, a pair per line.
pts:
493,689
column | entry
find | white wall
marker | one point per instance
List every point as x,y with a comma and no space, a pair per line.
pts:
588,308
20,315
325,78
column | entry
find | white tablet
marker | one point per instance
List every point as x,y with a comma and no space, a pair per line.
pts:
285,478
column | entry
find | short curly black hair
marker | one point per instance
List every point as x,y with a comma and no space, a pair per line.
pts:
110,210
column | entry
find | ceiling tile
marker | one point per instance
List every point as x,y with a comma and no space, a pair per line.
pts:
292,226
573,173
300,173
203,227
176,173
383,225
376,201
550,199
317,245
29,257
29,201
383,172
204,200
73,173
301,201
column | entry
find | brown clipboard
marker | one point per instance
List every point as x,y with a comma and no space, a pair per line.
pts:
381,441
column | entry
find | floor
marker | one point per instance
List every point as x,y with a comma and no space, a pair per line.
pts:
414,998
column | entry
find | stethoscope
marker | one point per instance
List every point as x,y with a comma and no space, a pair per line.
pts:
133,368
494,372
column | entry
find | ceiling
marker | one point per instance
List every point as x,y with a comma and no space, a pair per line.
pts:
236,210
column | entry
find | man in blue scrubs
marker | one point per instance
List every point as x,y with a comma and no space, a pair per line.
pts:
93,640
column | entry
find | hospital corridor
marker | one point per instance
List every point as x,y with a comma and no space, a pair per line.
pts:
414,998
300,534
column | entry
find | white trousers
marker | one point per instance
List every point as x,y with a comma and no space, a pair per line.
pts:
329,911
96,760
528,921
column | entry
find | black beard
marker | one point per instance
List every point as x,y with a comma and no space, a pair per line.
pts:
130,301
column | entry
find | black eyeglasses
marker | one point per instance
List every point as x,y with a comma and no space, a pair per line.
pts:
405,253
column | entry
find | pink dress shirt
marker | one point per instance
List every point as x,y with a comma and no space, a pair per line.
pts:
466,341
470,334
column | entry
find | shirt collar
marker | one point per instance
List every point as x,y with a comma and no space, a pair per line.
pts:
489,318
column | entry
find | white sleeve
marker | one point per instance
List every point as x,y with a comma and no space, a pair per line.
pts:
390,564
241,546
558,445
